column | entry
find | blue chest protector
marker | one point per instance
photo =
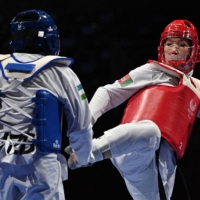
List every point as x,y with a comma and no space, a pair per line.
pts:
48,109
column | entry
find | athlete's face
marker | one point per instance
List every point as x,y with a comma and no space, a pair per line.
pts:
176,49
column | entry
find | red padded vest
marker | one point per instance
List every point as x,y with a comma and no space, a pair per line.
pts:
173,109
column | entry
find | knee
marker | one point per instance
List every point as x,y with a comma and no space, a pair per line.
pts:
154,135
151,128
148,133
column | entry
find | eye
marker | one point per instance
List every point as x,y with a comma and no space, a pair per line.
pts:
183,45
169,44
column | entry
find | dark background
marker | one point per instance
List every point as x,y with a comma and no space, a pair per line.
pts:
107,39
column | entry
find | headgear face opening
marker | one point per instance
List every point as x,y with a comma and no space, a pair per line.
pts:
36,29
180,29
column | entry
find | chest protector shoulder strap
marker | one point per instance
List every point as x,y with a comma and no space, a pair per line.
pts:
13,69
173,109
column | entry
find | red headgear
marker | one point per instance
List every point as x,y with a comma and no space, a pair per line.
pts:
180,29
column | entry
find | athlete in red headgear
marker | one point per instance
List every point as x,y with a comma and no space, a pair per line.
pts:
164,102
179,31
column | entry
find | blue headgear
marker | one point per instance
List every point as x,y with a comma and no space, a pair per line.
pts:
34,29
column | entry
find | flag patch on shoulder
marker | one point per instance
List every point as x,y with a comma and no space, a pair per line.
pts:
81,92
126,80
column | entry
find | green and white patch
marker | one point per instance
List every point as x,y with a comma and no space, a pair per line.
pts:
81,92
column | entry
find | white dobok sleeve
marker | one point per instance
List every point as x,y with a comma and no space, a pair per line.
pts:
112,95
68,89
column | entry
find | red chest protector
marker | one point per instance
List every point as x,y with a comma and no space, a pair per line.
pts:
173,109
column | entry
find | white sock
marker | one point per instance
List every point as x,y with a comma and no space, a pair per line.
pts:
103,143
99,145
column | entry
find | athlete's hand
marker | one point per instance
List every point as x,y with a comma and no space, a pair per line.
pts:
72,161
72,155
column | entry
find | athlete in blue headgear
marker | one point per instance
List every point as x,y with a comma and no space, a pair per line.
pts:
36,86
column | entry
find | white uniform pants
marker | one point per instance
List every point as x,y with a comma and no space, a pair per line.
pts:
39,180
133,147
